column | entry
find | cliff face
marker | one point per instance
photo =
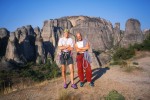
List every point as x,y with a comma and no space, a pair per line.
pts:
23,45
28,44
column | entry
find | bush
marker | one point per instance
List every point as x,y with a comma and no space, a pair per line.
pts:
114,95
123,54
5,80
41,72
30,71
143,46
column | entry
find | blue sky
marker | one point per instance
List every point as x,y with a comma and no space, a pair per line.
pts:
18,13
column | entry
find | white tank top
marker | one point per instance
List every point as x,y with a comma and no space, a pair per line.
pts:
80,45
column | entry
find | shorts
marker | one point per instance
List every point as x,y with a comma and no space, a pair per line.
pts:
66,62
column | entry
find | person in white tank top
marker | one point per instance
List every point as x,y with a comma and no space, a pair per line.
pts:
82,63
80,45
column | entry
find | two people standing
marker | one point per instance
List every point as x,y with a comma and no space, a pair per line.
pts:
66,45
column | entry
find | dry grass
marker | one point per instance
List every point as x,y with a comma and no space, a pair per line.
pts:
141,54
22,84
66,95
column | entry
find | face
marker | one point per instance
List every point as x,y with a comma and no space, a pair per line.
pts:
66,34
79,37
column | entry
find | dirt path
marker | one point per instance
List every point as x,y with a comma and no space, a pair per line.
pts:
134,85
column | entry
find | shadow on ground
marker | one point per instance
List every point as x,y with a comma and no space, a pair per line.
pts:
98,72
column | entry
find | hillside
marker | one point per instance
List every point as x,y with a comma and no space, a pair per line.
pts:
134,86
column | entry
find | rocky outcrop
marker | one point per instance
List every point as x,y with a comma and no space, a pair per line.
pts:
35,45
98,31
51,31
117,34
104,58
146,33
11,51
27,45
4,35
133,33
40,51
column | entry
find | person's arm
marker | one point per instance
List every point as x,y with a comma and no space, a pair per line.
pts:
60,45
83,48
69,48
63,47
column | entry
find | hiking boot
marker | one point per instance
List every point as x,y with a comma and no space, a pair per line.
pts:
65,85
81,84
74,86
91,84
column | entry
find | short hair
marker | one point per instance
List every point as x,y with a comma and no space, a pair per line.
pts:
66,31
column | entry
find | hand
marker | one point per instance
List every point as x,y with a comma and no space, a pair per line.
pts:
87,46
67,47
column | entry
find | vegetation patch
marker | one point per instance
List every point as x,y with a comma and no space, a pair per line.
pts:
28,72
114,95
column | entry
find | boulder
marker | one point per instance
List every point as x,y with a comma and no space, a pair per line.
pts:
104,58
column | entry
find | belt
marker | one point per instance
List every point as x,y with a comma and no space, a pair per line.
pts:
79,53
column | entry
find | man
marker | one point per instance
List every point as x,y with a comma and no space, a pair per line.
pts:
65,44
83,60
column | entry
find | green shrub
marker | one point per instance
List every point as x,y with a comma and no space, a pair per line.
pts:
123,54
145,45
29,71
114,95
5,80
41,72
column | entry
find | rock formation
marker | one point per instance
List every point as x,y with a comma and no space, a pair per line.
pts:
4,35
117,34
27,45
133,33
11,51
40,51
35,45
146,33
98,31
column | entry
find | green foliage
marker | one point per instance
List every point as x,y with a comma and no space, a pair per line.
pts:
123,54
41,72
31,71
114,95
127,53
143,46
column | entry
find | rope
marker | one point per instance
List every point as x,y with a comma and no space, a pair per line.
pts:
86,64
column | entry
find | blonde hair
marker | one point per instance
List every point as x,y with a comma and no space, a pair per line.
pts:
66,31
